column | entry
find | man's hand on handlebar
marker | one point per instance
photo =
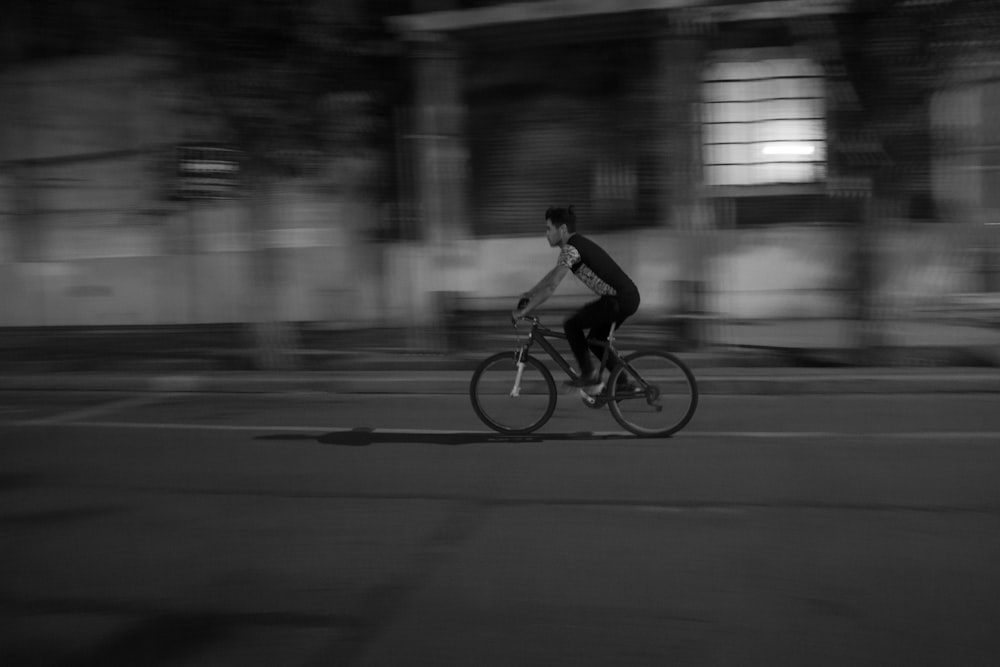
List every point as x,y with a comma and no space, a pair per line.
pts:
518,313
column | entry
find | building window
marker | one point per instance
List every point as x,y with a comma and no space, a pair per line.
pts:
206,171
763,122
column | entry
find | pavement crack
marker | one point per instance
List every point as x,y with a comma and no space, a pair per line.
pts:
159,640
384,603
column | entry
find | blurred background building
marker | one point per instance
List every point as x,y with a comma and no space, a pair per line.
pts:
386,165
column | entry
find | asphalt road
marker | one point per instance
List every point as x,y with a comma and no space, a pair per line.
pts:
322,529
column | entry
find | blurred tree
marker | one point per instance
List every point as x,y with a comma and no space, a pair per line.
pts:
300,88
293,80
896,55
33,31
304,89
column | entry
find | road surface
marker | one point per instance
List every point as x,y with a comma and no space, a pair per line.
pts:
322,529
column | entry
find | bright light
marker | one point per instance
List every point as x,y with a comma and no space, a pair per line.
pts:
789,149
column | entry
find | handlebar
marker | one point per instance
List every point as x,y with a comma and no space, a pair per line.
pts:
521,304
524,318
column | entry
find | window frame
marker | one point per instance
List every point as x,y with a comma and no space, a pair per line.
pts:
817,185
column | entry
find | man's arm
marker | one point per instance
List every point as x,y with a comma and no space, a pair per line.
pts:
540,293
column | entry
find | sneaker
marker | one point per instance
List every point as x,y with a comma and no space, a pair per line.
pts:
626,387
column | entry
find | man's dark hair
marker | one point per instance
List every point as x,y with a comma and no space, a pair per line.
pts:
562,216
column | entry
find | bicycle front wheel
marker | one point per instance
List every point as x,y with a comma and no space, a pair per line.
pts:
653,394
509,402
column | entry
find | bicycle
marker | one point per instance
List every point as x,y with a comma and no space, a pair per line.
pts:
650,393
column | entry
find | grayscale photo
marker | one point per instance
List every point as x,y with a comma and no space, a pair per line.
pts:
499,333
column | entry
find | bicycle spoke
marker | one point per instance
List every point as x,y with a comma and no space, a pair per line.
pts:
659,396
511,403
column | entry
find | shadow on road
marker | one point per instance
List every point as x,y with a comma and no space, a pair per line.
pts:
362,437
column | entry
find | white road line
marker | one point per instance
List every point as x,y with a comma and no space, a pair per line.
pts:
905,435
61,420
932,435
765,434
254,427
75,417
204,427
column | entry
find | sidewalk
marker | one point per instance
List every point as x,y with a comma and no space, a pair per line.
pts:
786,357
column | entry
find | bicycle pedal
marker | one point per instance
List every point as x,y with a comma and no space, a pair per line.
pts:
591,392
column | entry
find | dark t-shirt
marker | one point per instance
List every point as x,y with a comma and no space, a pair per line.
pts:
595,268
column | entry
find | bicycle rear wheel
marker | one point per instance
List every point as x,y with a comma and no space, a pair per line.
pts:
499,406
659,395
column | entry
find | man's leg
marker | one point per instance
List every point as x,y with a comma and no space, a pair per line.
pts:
600,332
594,316
626,306
618,311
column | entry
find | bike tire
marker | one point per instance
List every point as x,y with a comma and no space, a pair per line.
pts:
490,387
665,405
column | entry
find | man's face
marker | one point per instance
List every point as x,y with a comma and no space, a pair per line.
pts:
552,233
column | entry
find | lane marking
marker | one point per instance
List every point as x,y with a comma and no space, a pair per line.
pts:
906,435
75,417
62,420
762,434
256,427
929,435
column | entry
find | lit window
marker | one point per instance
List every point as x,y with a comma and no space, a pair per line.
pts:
764,122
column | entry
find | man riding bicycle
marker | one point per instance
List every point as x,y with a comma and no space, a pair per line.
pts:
618,297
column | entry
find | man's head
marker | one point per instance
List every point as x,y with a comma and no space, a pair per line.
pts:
560,224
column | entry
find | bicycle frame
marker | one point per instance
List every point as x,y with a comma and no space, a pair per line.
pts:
668,388
541,333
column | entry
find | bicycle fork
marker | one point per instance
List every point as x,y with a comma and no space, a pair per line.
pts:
515,391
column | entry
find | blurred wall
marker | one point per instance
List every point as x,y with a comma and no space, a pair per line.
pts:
88,238
966,171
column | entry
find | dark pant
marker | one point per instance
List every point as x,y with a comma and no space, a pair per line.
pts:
597,317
